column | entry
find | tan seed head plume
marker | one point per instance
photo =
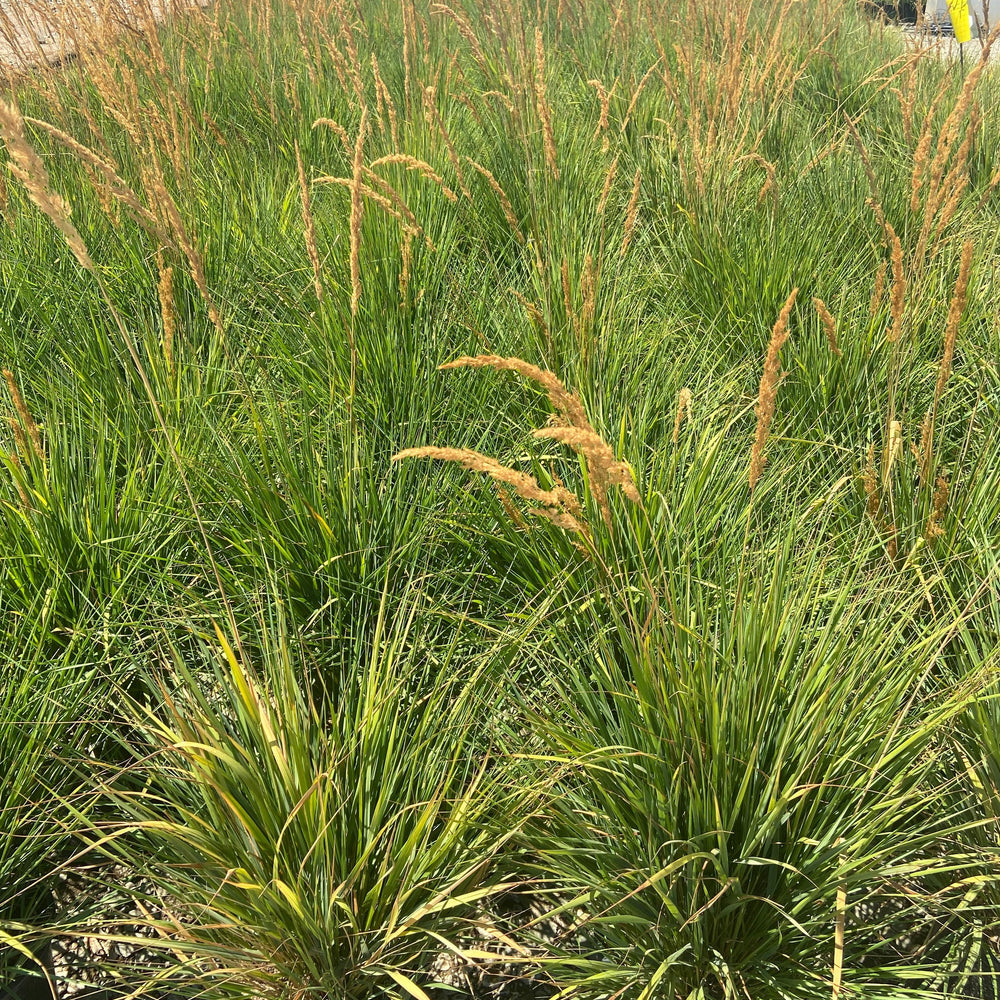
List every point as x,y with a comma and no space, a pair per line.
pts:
632,211
309,225
766,395
934,529
27,167
435,120
604,469
893,450
505,204
168,310
878,291
637,93
542,105
609,179
829,325
955,309
898,293
588,287
770,185
571,427
420,166
602,122
508,505
27,420
684,399
357,211
564,402
558,505
182,238
339,130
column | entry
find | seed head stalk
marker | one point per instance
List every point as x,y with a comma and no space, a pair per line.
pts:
955,310
768,392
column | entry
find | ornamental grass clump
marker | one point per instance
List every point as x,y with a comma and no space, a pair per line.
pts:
42,799
320,821
732,782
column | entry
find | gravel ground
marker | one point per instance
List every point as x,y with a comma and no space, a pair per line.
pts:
944,44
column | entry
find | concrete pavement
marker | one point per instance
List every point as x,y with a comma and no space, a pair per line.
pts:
35,32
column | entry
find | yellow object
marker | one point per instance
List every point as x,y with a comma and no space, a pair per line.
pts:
958,11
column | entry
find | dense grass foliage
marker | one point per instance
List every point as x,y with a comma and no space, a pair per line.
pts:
650,652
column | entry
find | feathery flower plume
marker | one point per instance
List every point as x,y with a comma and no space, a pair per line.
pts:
684,398
339,130
829,325
934,529
636,94
770,184
435,120
898,294
309,225
892,545
893,449
494,184
163,198
602,122
508,505
407,258
502,98
534,312
27,420
609,179
543,105
604,469
114,183
27,167
379,100
921,161
566,289
921,156
558,505
357,211
571,428
866,162
588,287
632,211
168,310
566,404
420,166
464,29
955,310
879,290
769,382
393,204
390,199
